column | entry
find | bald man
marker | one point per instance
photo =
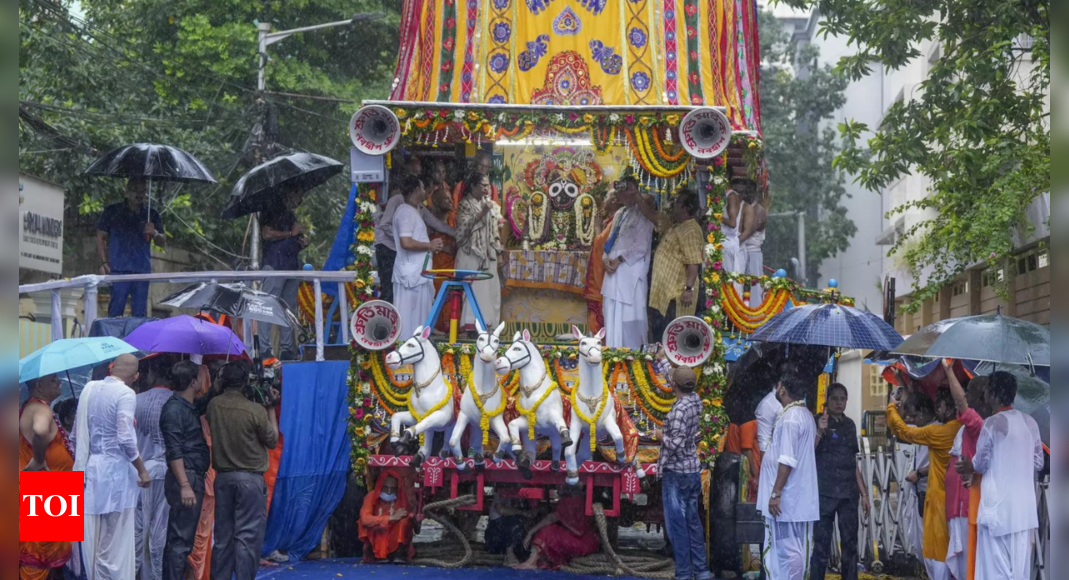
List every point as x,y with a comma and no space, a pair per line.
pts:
106,450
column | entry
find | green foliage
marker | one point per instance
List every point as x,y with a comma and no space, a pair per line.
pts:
183,72
978,127
800,152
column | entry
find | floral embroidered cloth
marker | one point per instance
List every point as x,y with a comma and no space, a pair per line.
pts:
565,271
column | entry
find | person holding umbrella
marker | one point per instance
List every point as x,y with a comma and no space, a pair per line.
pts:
125,233
284,240
43,446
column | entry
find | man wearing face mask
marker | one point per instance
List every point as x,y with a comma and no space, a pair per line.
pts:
385,519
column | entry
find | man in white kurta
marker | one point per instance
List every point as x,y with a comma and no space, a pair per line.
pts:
150,520
788,496
1008,454
767,411
627,264
413,295
106,450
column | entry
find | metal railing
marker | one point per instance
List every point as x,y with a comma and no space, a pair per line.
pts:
91,283
883,534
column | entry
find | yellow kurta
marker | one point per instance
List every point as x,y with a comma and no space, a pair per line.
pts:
939,439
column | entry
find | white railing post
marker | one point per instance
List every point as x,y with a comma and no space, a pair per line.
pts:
317,287
89,300
343,310
57,315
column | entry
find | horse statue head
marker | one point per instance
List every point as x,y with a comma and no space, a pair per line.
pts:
488,343
414,351
589,346
520,355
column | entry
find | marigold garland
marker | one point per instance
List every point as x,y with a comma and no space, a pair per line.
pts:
532,413
592,420
447,399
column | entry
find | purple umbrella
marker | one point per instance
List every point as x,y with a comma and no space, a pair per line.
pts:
186,335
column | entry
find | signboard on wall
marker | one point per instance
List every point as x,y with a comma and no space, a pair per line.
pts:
40,225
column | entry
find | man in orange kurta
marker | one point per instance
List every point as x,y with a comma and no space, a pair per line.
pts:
939,437
386,519
441,205
43,445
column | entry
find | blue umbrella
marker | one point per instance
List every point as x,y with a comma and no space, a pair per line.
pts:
70,353
832,325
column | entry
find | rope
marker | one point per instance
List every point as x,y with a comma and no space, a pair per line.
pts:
613,564
609,562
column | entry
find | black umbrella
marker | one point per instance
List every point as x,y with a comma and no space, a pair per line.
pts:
235,300
152,162
989,337
260,188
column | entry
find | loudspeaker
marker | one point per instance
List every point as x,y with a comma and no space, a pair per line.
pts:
376,325
688,341
374,130
705,132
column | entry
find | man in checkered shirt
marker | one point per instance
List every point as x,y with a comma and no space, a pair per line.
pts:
680,474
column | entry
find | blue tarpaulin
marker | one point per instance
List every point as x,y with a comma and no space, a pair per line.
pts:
315,456
341,252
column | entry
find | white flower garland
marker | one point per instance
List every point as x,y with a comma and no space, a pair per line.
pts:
585,229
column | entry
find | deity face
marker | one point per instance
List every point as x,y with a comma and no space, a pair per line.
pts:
562,193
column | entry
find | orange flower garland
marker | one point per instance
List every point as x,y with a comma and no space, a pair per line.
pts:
747,319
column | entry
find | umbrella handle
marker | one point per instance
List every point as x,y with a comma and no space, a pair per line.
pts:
148,196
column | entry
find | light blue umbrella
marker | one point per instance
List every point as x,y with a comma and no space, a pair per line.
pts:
71,353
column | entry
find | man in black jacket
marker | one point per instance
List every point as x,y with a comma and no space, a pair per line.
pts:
840,484
188,460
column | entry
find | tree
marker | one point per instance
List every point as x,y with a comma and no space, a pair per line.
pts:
978,127
184,73
800,148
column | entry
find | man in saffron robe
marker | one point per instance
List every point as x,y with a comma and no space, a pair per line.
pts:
386,519
43,445
595,267
440,201
939,437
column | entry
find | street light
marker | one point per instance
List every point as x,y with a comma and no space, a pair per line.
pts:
266,39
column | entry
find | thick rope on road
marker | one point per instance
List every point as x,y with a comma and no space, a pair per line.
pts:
430,511
609,562
613,564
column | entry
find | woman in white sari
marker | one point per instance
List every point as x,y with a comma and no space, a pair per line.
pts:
479,248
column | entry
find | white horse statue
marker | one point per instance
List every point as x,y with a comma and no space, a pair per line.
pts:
539,402
430,401
593,408
484,401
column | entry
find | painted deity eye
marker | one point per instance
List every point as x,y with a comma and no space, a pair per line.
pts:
572,190
555,189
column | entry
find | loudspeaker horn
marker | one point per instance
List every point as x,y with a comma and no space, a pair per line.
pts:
375,325
688,341
374,130
705,132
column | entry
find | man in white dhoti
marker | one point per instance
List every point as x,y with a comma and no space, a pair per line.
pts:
1008,455
150,521
752,237
730,223
106,450
413,295
627,264
479,247
788,495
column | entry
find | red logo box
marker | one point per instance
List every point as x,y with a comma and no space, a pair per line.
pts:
52,506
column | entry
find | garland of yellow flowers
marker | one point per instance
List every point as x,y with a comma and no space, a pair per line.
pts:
438,407
659,404
486,416
647,157
558,375
656,138
750,320
532,412
593,419
400,385
380,385
602,137
662,386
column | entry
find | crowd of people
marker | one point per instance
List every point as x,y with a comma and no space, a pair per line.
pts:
643,271
154,439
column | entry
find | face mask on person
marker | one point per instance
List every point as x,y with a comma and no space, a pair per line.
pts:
388,497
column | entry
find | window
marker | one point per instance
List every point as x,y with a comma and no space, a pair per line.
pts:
1043,259
877,386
